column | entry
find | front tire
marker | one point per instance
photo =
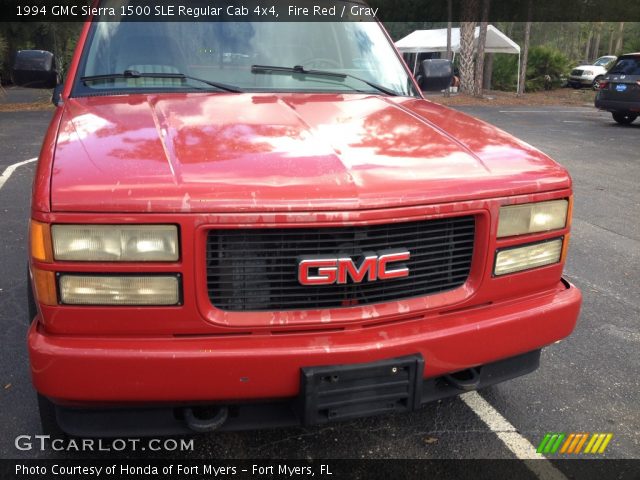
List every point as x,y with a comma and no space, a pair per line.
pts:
624,118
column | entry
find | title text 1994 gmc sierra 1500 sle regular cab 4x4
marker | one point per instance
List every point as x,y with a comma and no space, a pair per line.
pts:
242,225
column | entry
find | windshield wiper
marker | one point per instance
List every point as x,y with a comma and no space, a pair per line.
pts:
300,70
179,76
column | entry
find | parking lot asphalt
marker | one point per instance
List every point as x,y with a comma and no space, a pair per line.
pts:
586,383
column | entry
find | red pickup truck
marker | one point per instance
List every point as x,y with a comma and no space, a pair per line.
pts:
244,225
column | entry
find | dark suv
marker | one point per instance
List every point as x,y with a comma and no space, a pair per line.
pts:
620,89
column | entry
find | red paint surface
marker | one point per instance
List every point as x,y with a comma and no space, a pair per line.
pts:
217,152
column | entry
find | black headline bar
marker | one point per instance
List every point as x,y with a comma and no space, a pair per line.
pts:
317,10
316,469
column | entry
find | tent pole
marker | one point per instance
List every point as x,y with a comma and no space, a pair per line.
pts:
415,64
518,84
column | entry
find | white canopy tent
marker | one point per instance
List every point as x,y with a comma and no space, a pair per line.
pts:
436,41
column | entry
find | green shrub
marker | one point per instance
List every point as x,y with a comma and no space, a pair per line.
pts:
505,72
545,61
542,61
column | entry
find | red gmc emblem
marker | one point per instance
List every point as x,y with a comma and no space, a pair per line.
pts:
327,271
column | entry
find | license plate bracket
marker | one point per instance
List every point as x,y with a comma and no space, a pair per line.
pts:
343,392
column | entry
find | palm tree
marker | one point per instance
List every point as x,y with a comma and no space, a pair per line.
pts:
467,58
482,40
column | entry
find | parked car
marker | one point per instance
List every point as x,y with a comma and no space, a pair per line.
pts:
590,75
302,240
620,89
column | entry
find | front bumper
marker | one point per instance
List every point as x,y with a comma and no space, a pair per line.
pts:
231,368
581,80
170,419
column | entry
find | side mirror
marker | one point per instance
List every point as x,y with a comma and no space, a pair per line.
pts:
56,97
34,69
436,74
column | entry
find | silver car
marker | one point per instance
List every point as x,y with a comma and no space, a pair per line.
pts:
590,75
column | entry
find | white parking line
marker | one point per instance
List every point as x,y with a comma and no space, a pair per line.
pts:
519,446
12,168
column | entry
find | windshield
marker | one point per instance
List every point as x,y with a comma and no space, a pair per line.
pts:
603,61
224,52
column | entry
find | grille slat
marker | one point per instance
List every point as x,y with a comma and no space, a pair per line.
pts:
427,251
459,271
320,294
257,269
381,229
463,261
401,236
468,237
329,302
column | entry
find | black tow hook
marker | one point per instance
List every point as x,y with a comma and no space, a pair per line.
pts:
202,421
466,380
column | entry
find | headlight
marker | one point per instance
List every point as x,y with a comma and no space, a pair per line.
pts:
115,243
120,290
532,218
516,259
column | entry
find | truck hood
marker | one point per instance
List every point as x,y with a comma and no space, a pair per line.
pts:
200,152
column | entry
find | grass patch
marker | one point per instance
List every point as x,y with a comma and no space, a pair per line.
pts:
560,97
26,107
